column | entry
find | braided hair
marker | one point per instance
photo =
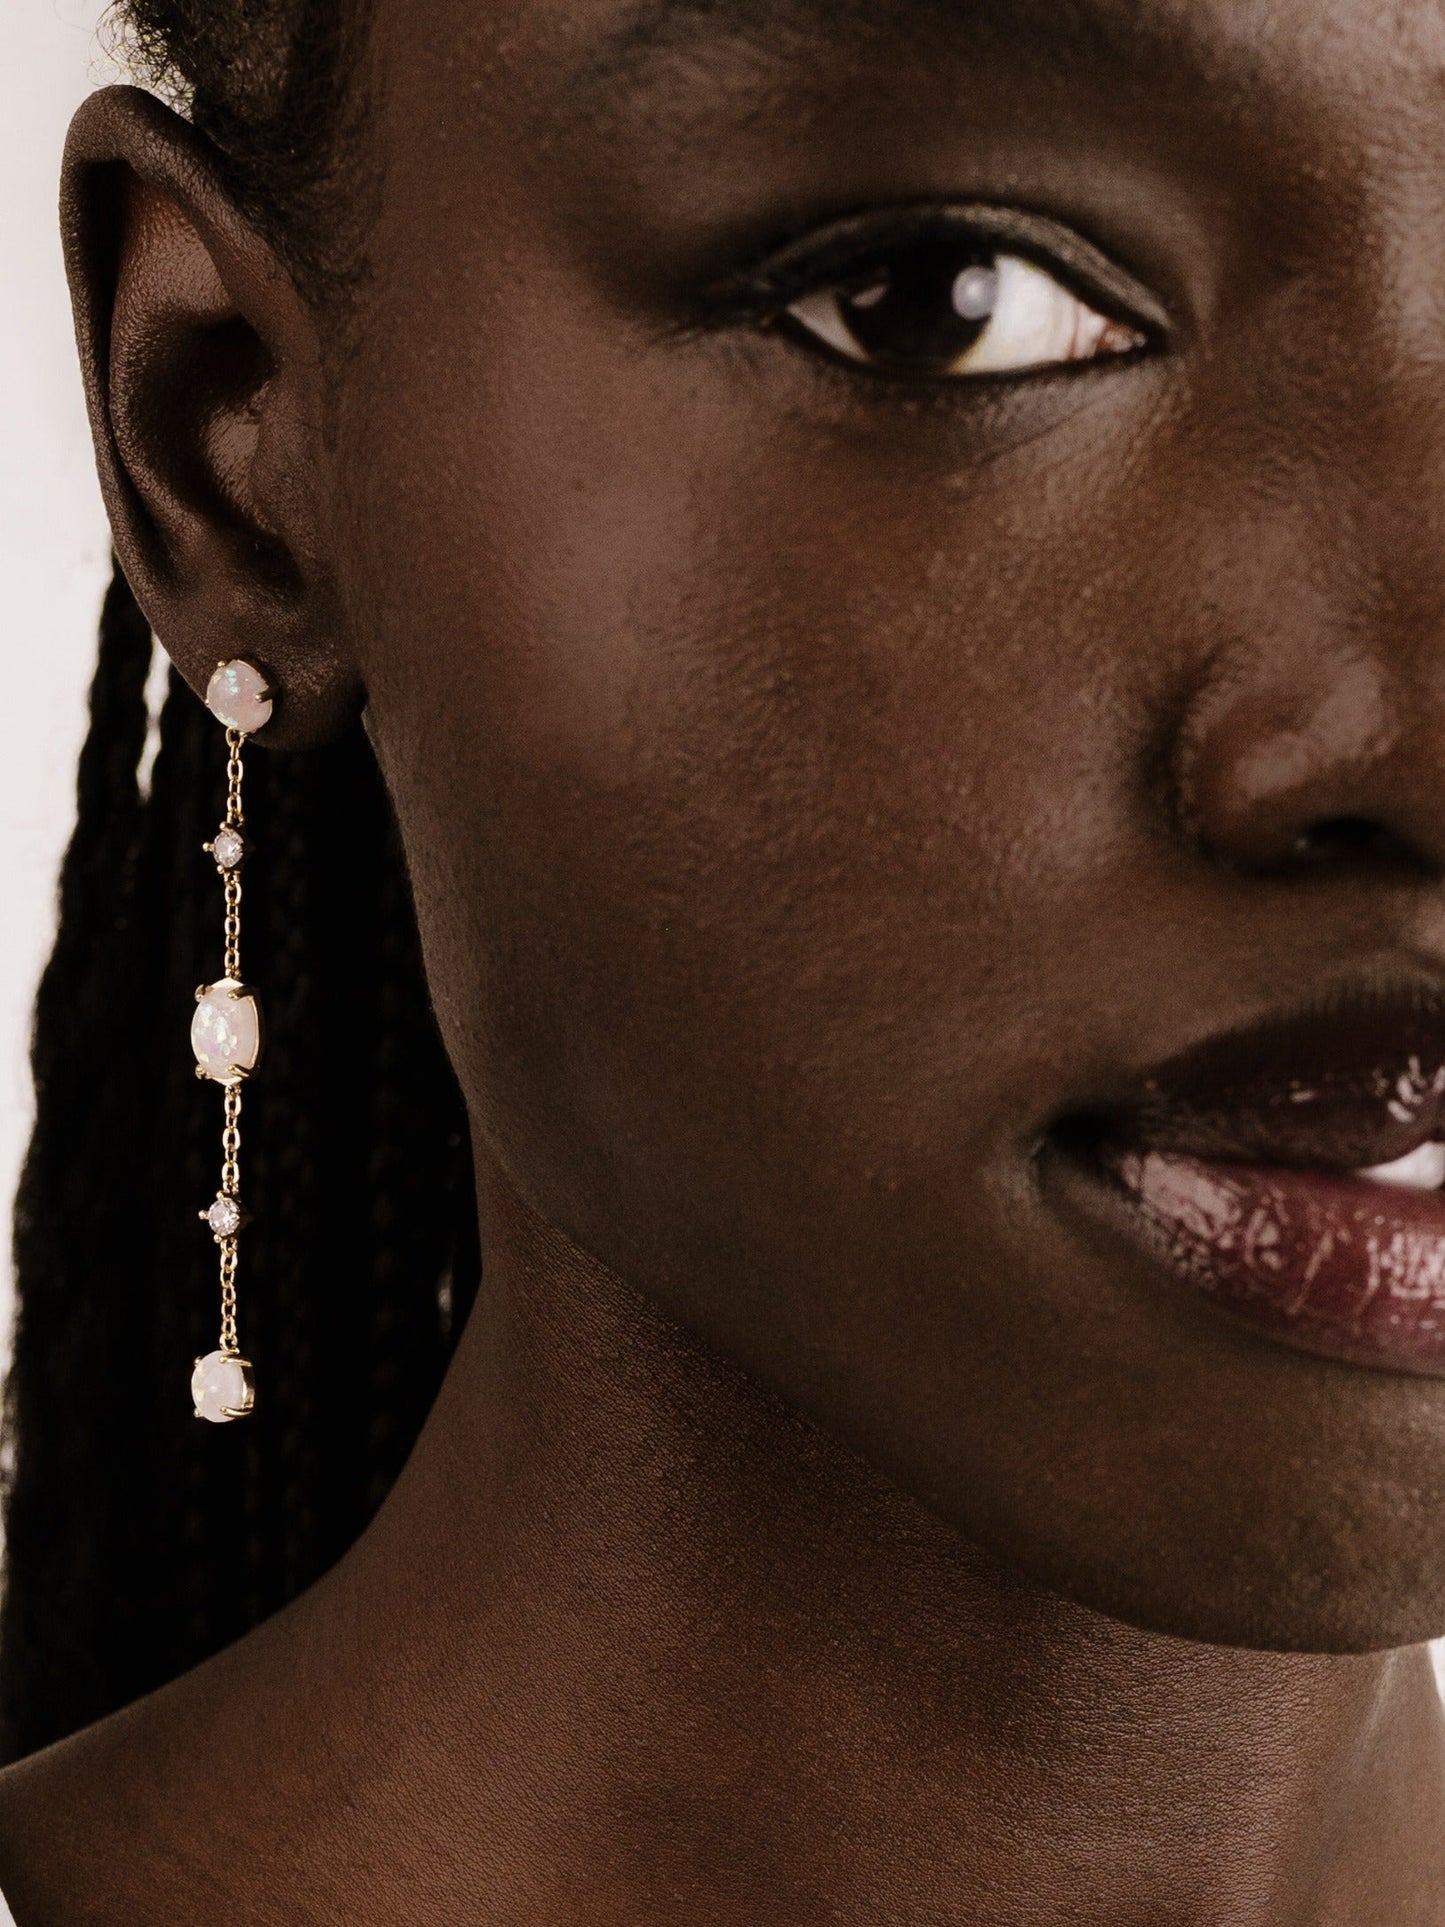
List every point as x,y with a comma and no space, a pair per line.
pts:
138,1542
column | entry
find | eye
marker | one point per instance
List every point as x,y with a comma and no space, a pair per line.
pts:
959,308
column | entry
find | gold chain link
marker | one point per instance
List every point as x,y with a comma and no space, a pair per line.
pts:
230,1255
235,820
231,1142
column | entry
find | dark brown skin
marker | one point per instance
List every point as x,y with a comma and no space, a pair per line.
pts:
816,783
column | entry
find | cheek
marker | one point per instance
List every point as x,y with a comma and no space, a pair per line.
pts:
752,788
733,790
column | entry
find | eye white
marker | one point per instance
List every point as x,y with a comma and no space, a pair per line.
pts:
1033,321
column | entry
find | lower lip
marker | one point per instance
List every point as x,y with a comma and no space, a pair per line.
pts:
1335,1265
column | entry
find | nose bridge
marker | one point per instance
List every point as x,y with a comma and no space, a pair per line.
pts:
1337,336
1352,379
1381,456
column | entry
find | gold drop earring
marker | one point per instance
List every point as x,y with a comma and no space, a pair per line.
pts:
226,1038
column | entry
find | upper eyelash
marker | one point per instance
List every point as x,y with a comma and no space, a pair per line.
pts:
764,293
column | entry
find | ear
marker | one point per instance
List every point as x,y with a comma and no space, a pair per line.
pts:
207,395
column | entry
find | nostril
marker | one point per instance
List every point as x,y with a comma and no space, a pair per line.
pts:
1343,839
1346,839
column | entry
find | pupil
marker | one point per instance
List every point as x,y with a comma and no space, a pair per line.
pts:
923,311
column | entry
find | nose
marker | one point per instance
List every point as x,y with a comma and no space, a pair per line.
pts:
1325,757
1315,736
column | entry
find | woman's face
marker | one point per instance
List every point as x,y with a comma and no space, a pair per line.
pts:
861,707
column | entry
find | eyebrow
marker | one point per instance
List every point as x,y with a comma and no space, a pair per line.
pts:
1054,36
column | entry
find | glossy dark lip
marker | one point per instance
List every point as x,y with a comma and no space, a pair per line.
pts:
1351,1078
1322,1262
1233,1169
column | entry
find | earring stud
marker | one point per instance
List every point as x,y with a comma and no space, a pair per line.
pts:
226,1038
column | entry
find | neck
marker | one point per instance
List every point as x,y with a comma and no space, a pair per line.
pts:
632,1643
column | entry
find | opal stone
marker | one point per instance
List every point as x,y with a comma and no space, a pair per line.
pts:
221,1388
239,696
226,1032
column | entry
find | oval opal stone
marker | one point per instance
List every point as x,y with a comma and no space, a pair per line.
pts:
239,696
226,1032
221,1388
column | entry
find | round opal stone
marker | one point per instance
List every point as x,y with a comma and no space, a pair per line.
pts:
221,1387
226,1032
239,696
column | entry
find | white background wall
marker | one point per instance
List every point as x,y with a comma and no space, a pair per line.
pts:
54,554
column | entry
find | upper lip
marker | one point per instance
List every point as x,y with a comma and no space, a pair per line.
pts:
1350,1080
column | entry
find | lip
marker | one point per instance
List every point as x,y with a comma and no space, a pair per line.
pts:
1336,1265
1235,1170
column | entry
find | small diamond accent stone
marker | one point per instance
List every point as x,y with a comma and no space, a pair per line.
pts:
224,1216
221,1388
229,849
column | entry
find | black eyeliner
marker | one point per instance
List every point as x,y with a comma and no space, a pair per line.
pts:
764,292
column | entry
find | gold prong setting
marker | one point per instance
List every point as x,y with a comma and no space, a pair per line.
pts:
226,1031
228,849
223,1387
239,695
225,1216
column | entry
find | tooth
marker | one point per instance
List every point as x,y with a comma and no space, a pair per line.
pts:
1422,1170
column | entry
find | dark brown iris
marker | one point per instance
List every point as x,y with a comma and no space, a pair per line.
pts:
922,312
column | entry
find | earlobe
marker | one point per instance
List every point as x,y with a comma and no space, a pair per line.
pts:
205,382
